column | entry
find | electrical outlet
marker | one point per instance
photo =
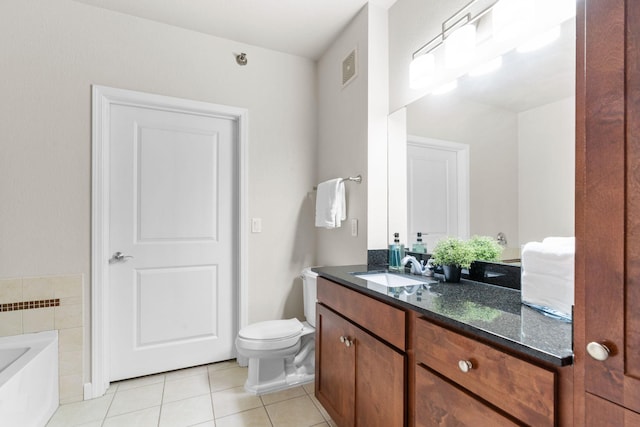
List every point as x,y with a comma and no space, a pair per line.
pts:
354,227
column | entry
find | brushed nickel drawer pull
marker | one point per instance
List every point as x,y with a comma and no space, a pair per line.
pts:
465,365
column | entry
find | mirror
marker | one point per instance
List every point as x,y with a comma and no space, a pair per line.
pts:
496,155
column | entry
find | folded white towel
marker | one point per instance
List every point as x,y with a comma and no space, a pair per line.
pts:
560,241
549,259
331,206
548,274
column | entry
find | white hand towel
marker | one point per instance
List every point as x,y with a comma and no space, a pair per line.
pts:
331,207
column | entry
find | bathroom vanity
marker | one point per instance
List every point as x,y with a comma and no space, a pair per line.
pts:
434,354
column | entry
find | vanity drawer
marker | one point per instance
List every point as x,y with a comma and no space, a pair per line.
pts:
436,396
381,319
524,390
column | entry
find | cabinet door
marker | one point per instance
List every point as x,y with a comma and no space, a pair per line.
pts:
608,199
380,391
602,413
440,403
335,366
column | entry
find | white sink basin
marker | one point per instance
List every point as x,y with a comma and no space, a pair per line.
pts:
390,280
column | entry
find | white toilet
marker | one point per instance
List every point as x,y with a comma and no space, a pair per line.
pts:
281,353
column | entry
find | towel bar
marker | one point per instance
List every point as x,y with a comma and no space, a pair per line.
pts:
357,179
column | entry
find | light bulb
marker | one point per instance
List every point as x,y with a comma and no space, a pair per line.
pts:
459,46
421,71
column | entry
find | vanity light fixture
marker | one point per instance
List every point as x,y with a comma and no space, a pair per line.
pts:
458,35
483,30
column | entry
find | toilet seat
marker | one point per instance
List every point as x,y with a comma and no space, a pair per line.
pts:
270,334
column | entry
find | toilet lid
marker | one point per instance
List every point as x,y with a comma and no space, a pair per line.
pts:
272,329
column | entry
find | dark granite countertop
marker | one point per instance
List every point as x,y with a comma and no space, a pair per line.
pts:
491,312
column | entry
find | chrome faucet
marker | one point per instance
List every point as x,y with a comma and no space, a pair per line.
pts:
416,267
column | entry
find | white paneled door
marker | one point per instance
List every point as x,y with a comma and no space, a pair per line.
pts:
172,301
437,201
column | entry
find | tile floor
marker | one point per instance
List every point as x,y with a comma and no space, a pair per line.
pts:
204,396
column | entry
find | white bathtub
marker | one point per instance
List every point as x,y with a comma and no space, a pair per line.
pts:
28,379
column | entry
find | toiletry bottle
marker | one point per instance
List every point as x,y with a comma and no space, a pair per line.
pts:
418,246
396,252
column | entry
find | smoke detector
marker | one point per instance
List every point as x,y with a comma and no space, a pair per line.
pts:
349,68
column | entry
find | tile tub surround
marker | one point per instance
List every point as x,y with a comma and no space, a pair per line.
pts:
36,304
490,312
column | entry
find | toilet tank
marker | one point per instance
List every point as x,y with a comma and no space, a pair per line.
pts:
309,291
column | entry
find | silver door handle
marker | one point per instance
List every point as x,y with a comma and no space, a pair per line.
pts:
119,257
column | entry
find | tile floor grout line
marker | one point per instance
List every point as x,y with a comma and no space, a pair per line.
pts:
104,417
164,387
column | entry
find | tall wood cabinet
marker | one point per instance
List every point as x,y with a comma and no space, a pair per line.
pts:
607,312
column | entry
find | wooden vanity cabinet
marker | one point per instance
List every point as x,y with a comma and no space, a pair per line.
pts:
360,376
380,365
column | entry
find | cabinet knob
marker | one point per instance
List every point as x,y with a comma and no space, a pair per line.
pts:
465,365
346,341
598,351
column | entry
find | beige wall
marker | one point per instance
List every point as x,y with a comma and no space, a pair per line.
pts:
546,138
53,51
352,123
342,140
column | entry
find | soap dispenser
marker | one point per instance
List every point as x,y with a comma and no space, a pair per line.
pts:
418,246
396,252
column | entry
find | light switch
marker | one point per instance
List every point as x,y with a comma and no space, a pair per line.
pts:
256,225
354,227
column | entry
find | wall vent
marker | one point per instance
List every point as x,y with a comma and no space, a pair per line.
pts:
349,68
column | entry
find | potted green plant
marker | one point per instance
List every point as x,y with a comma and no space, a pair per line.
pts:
484,248
453,255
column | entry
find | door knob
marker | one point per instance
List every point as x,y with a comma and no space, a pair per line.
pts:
598,351
119,257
